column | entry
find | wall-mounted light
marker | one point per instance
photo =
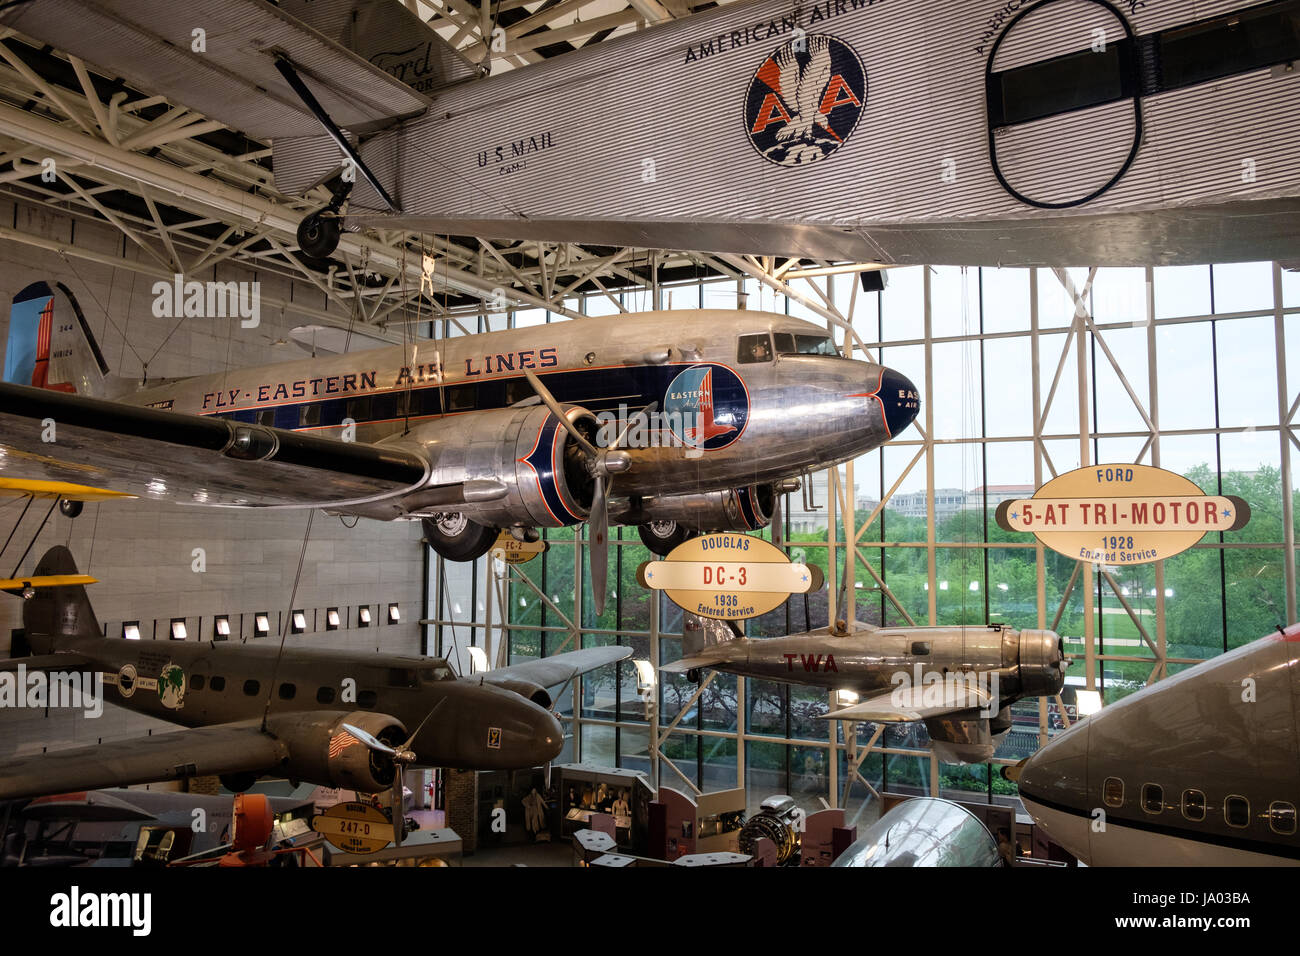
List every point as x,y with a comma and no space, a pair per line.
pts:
394,615
478,662
221,627
332,619
299,623
363,616
261,624
131,630
179,633
1088,702
846,698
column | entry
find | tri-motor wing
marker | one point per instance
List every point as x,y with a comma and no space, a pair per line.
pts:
231,75
222,749
190,458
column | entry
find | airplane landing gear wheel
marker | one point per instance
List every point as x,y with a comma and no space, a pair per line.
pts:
457,538
662,536
318,235
693,675
70,509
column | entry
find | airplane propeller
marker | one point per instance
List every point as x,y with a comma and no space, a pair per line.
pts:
401,755
603,466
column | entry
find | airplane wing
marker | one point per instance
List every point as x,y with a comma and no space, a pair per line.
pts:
45,662
191,458
550,671
692,663
225,748
232,78
905,704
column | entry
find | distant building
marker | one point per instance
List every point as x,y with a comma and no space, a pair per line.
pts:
950,501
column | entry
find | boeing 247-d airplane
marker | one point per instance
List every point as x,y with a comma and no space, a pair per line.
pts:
252,712
696,419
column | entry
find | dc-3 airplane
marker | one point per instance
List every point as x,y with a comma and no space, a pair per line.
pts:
698,420
961,681
958,132
252,711
1199,769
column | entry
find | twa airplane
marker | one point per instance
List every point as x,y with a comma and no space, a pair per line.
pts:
960,132
677,422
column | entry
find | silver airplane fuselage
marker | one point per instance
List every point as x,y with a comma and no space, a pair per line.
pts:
737,403
1202,768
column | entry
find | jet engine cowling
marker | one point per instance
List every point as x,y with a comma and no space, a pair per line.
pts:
749,508
322,752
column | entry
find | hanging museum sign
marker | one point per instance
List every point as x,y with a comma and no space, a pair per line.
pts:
1121,514
511,550
729,576
354,827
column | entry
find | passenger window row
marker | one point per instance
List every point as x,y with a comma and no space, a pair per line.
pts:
287,691
1192,805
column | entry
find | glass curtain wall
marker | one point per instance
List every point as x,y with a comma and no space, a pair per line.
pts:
1024,374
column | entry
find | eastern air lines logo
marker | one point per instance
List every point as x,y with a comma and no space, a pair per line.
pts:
707,406
805,100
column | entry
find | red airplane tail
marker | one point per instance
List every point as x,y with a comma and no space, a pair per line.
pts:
707,427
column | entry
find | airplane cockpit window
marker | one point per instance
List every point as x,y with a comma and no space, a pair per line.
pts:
754,348
1153,797
1112,792
798,343
438,672
1281,817
402,677
1236,811
1194,805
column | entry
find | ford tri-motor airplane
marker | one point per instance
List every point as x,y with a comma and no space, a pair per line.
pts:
674,421
960,680
956,132
254,712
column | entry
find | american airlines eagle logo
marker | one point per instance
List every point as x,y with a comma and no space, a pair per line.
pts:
805,100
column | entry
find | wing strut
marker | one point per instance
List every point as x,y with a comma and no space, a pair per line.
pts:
286,68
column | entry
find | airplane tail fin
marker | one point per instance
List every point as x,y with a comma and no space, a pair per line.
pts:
700,634
56,615
51,345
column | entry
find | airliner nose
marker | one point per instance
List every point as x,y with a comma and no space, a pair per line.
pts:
1053,786
901,401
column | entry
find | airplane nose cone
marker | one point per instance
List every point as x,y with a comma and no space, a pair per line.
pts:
1053,786
530,737
900,399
